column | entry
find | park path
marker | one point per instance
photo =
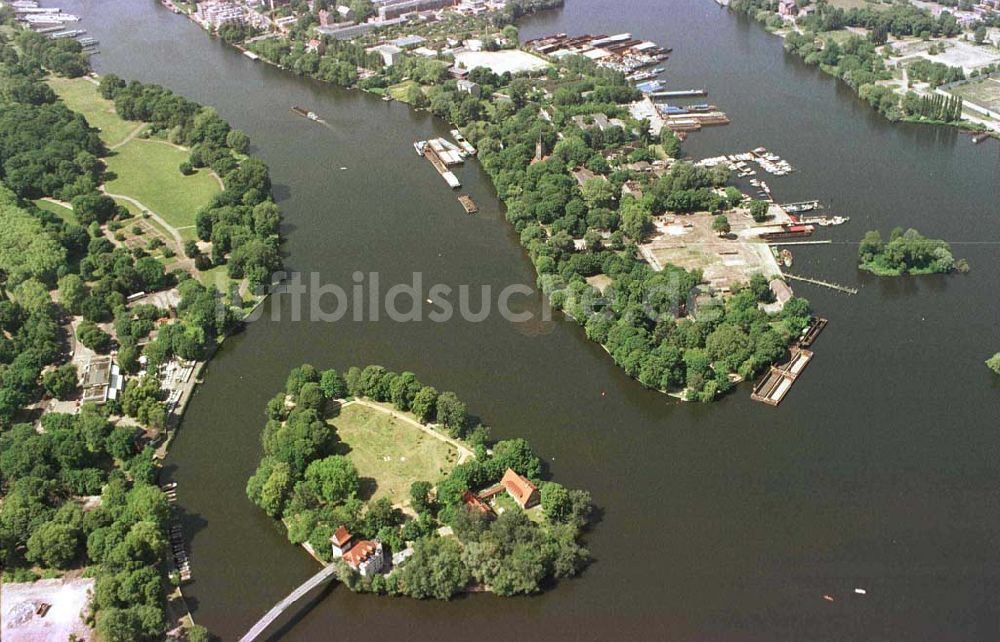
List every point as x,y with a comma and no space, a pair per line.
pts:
463,452
135,132
178,239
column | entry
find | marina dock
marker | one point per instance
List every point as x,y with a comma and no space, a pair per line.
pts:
811,333
773,387
428,149
679,93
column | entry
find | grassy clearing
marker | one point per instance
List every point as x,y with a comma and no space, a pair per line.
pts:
390,451
984,92
63,213
401,91
81,96
147,171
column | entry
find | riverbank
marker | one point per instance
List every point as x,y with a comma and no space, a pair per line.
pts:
882,64
128,290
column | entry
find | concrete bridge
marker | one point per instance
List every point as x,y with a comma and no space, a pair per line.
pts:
279,608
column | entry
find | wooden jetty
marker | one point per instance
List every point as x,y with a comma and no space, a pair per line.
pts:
774,385
469,204
809,335
826,284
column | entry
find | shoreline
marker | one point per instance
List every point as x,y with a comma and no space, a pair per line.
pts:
964,125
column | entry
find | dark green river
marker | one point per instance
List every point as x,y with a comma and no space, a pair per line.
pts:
725,522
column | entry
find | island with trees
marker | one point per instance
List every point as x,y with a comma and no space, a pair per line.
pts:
906,253
395,483
105,322
993,363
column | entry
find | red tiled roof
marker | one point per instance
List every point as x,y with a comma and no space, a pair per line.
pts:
360,552
520,487
340,536
475,503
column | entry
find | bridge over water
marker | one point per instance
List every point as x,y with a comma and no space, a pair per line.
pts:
279,608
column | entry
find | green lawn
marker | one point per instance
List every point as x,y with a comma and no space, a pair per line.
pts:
401,91
81,96
64,213
147,171
391,452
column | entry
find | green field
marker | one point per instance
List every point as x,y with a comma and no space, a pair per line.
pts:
64,213
390,451
147,171
401,91
81,96
984,92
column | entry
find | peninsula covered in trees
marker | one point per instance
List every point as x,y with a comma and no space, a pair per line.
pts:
563,180
906,253
395,483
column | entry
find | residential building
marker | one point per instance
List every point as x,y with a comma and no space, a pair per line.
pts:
366,557
469,87
788,8
389,9
216,13
346,13
474,503
520,489
390,53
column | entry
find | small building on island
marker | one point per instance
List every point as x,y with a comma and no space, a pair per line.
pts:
366,557
520,489
340,542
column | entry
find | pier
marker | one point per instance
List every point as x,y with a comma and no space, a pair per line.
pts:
811,333
679,93
825,284
258,629
773,387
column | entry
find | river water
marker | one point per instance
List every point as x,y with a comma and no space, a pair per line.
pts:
720,522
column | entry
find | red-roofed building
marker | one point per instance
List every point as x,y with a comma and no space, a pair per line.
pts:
366,557
476,504
520,488
340,541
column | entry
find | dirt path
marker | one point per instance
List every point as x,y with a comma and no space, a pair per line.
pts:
135,132
156,217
